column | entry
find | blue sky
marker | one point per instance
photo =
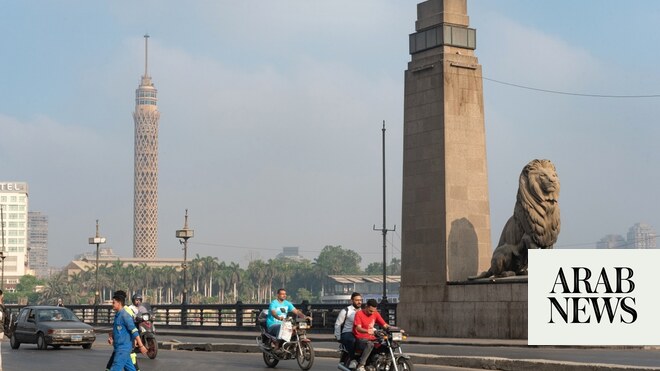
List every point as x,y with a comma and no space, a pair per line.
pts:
271,116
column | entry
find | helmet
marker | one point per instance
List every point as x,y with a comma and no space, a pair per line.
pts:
136,297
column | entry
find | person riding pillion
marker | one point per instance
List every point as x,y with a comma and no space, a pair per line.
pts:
344,326
137,306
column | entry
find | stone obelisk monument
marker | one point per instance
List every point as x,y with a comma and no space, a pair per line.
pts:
446,212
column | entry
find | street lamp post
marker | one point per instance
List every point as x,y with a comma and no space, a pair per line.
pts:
96,240
184,235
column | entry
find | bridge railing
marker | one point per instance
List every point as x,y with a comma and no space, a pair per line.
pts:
235,317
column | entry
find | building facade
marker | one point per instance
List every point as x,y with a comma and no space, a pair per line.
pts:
291,253
38,243
145,196
641,236
338,288
13,231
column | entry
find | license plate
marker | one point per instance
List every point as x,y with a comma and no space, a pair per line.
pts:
76,337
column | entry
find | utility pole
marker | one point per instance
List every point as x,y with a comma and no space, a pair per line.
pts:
384,230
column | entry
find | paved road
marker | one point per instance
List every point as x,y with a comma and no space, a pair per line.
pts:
28,358
633,357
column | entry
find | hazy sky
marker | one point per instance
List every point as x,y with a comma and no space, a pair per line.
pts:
271,114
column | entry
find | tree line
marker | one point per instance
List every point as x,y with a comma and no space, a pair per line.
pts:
210,281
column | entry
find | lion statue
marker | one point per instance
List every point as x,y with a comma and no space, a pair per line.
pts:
535,222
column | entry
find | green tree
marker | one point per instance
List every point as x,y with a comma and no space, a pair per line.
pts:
336,260
374,268
394,268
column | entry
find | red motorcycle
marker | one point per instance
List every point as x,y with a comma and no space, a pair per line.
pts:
386,355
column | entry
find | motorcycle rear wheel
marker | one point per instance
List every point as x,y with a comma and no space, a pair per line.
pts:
270,360
305,356
403,364
152,348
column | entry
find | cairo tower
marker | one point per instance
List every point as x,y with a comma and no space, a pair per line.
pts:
145,197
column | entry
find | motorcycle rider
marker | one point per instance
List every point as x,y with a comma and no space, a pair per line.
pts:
277,311
344,327
363,329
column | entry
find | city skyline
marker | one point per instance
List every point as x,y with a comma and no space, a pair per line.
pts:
271,122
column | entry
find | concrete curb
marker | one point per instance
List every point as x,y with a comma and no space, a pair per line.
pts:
489,363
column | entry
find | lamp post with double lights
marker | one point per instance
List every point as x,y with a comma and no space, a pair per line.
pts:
184,235
96,240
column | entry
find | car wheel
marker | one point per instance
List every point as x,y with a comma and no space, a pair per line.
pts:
87,346
41,342
13,342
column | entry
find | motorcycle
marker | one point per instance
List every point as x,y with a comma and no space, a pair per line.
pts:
144,323
385,356
298,346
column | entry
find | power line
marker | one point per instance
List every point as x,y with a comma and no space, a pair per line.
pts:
571,93
266,248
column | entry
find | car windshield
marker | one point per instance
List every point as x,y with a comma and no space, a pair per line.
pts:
58,314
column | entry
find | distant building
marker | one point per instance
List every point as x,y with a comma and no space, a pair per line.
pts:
290,252
105,253
13,241
612,241
641,236
87,261
38,243
340,288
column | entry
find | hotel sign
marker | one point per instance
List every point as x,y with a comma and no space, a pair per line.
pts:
13,187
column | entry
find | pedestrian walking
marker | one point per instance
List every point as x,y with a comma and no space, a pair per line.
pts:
124,335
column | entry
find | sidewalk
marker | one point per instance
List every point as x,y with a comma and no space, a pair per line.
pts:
493,354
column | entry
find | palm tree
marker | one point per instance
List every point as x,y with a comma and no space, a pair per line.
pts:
235,278
55,288
210,264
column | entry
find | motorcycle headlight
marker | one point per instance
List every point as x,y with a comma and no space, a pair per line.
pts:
146,317
303,325
397,336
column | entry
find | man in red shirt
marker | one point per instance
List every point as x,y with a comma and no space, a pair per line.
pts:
363,329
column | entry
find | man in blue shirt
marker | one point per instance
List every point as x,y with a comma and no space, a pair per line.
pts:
124,334
277,312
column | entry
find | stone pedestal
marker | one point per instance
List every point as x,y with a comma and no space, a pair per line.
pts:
470,310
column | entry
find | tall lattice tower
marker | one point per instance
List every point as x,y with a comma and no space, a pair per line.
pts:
145,198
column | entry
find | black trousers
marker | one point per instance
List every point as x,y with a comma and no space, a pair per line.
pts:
348,341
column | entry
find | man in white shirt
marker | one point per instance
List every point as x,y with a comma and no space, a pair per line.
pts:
344,324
